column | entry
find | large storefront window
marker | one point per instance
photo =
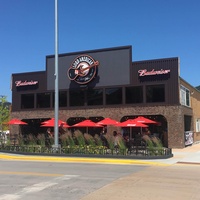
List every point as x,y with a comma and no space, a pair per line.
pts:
134,94
43,100
27,101
155,93
94,97
76,98
184,96
62,99
113,96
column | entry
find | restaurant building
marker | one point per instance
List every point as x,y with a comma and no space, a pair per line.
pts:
102,83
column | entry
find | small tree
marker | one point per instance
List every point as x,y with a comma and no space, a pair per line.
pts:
4,113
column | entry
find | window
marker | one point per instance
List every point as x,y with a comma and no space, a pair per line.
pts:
62,98
134,94
27,101
43,100
94,97
198,125
184,96
113,96
155,93
76,98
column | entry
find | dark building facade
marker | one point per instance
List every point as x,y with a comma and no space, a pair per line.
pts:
104,83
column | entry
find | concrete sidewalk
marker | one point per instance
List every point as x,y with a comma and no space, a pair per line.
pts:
190,154
162,183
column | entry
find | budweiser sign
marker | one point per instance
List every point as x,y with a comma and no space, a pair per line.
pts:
144,72
25,83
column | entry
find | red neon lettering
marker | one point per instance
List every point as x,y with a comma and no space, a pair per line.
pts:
25,83
144,72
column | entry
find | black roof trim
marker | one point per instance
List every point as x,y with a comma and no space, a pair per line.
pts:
91,51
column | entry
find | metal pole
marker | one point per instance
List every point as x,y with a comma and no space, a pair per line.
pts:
56,77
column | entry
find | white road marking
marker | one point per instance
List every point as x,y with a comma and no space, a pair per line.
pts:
35,188
66,177
10,197
30,189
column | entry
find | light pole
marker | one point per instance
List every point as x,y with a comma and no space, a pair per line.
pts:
56,78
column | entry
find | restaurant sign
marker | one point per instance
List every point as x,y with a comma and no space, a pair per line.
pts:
83,69
144,72
25,83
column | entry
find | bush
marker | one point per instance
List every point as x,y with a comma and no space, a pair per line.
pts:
41,139
111,140
154,145
79,138
31,140
89,139
98,140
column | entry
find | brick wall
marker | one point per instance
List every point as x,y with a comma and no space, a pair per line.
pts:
173,114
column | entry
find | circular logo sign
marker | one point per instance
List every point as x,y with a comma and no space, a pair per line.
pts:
83,69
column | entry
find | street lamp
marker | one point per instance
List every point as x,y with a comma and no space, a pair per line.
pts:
56,78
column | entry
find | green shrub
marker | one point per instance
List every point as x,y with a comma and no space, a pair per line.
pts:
89,139
79,138
98,140
121,143
111,140
20,140
31,140
63,139
150,144
158,144
41,139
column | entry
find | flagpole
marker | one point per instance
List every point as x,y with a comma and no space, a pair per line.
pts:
56,77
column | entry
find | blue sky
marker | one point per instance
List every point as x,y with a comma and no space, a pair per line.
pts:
154,28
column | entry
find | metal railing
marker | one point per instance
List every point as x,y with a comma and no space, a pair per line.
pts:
85,150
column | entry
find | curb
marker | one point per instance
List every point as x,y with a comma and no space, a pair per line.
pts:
134,157
79,160
188,163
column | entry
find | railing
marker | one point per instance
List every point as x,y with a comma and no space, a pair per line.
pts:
139,151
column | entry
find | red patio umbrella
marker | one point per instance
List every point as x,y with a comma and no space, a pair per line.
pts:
87,123
51,123
131,123
145,120
66,125
108,121
17,122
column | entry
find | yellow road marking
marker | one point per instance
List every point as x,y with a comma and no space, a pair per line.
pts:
85,160
30,173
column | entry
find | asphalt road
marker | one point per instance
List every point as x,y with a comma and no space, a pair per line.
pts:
175,182
55,178
31,180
